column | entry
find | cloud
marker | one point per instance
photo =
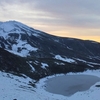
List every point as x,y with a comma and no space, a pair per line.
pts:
67,16
77,13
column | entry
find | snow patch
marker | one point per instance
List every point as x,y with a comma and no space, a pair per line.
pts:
69,48
59,63
36,35
87,62
56,40
36,62
23,48
44,65
24,53
33,69
69,60
6,26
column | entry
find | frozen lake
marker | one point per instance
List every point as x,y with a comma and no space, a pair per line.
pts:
67,85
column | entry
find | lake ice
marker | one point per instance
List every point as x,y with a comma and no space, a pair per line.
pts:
68,85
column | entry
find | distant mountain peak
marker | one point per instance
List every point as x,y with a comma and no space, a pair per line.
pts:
11,25
15,36
22,39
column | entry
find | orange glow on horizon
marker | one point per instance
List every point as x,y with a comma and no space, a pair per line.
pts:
92,38
71,32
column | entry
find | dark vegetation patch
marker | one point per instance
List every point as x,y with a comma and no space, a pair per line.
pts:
97,85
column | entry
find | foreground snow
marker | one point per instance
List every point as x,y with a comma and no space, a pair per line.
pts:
13,87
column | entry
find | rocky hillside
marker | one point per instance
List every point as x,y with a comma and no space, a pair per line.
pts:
24,50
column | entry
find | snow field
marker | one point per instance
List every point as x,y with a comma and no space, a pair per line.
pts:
14,87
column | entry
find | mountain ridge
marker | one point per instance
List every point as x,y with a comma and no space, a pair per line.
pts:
44,54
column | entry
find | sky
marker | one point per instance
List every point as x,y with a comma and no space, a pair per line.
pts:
66,18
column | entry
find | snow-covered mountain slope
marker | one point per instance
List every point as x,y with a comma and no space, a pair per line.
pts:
11,33
13,26
19,88
42,54
26,41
